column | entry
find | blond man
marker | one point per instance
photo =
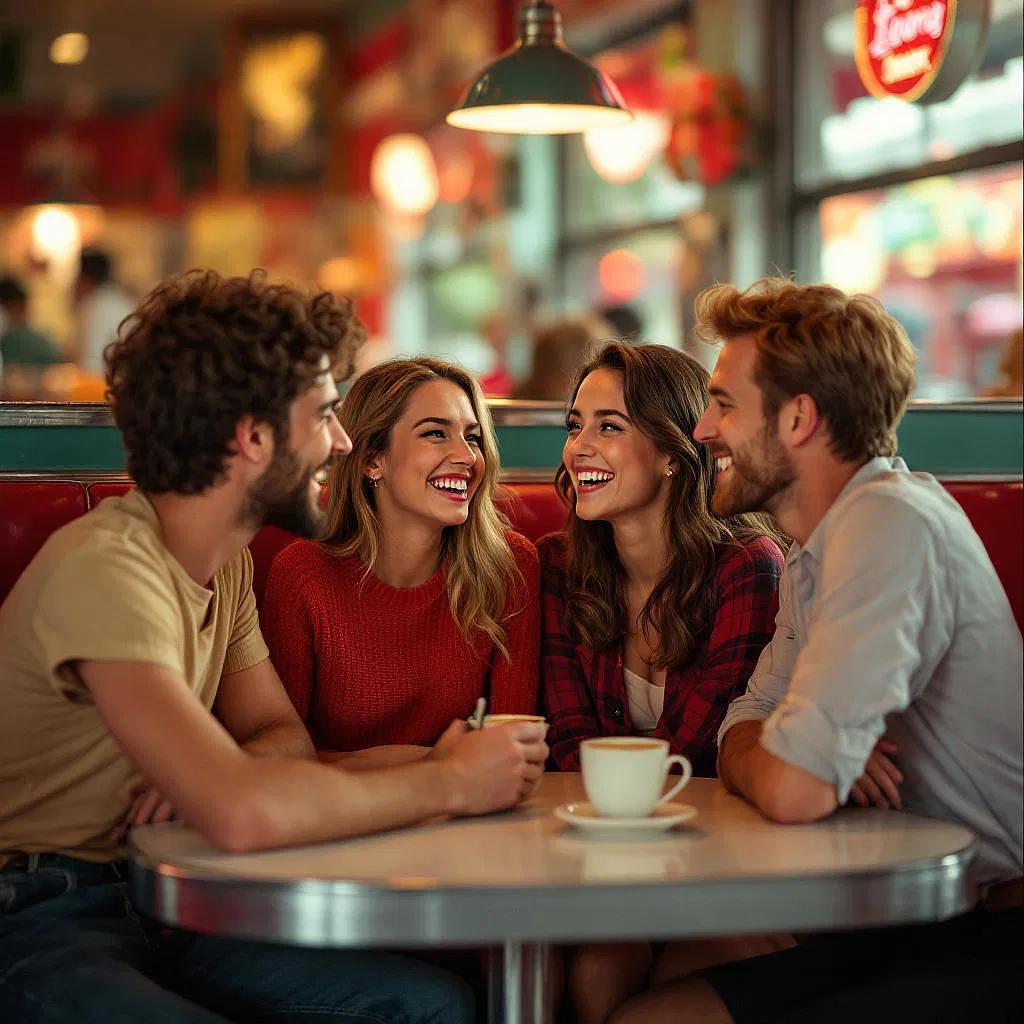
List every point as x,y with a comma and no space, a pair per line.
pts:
892,623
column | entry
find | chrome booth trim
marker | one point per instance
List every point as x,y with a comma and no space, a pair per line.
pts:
505,412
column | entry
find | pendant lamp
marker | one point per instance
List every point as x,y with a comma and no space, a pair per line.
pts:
539,86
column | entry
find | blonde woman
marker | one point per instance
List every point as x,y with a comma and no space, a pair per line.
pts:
421,599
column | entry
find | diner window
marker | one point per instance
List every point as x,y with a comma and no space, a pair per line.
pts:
918,204
944,255
621,241
595,203
843,133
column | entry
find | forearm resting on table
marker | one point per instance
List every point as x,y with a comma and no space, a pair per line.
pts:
287,738
782,792
374,757
285,802
241,801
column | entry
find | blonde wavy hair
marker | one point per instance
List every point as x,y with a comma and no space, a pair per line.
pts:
479,562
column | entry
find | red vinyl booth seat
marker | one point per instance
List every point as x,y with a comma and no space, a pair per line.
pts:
997,512
31,510
534,509
29,513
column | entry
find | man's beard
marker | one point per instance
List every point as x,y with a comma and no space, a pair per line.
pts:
281,498
761,471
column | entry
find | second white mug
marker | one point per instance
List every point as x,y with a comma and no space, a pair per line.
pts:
624,775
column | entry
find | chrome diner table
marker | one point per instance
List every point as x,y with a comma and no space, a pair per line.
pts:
523,880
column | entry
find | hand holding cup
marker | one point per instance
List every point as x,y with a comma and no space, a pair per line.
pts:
493,768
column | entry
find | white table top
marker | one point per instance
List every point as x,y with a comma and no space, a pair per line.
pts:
524,872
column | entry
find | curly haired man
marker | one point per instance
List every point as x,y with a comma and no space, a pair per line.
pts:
136,685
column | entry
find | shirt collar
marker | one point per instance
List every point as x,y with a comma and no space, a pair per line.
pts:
871,470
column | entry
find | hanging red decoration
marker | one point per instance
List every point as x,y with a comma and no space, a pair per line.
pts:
712,137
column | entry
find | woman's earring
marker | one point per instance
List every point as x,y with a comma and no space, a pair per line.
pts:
670,471
375,480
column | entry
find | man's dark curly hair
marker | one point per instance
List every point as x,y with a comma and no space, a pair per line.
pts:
200,352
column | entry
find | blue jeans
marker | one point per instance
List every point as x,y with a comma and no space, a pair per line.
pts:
73,948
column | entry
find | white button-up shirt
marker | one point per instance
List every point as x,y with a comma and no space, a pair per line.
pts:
892,620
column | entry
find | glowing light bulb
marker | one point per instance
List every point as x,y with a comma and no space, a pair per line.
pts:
55,233
403,175
342,275
621,275
622,153
70,48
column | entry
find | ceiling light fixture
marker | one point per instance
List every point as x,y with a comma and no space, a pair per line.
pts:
539,86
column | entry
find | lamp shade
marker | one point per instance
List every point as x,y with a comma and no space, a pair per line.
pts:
539,86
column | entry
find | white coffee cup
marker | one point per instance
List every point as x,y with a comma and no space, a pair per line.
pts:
624,775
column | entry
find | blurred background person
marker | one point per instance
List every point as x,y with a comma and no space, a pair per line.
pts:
24,351
102,305
1011,368
559,349
625,322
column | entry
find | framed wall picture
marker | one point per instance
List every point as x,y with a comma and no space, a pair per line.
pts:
279,121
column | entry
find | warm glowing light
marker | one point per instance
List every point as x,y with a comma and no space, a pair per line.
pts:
455,175
55,233
341,275
537,118
539,86
70,48
621,275
853,263
622,153
403,175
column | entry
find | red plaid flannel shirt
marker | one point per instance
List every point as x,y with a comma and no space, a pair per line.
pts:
583,691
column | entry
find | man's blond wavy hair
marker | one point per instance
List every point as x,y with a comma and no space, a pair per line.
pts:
480,565
845,351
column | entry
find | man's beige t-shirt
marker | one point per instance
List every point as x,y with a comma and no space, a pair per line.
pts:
102,588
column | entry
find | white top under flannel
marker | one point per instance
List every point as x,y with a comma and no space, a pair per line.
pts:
892,621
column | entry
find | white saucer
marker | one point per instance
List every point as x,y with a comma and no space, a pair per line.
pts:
582,815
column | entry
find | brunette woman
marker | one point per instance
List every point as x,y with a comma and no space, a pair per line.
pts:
654,609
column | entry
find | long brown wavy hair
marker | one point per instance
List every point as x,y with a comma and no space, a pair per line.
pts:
479,561
666,394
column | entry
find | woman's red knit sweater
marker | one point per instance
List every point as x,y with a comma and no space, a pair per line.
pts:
367,664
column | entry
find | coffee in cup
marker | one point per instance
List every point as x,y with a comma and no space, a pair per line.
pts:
624,775
493,721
